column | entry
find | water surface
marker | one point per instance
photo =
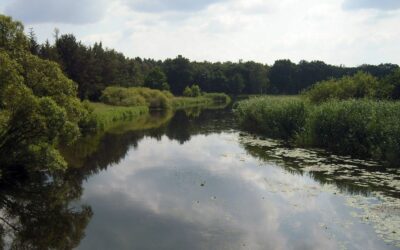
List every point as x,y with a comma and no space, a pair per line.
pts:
192,180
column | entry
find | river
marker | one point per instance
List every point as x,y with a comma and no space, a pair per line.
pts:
193,180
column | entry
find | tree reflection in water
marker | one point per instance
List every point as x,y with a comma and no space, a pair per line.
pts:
36,211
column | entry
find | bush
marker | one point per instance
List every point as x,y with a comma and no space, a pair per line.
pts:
193,91
119,96
187,92
273,116
361,85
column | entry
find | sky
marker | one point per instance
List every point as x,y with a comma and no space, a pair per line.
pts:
341,32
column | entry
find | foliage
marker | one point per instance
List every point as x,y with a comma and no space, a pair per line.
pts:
38,105
287,77
12,38
193,91
187,92
188,102
361,85
120,96
274,116
105,115
391,85
358,127
156,79
95,68
366,128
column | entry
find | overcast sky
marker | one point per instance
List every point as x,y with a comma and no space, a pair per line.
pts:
349,32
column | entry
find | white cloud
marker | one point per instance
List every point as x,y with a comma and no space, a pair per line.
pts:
240,29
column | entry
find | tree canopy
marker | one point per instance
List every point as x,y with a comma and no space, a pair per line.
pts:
39,107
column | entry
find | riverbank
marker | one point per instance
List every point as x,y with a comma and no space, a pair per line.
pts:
362,128
206,100
105,116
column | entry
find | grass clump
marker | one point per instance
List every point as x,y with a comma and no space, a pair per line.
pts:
364,128
104,116
273,116
218,98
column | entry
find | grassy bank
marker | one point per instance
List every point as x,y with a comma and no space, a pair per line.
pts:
156,99
124,104
105,116
362,128
208,99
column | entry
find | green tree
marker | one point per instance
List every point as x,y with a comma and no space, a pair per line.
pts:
156,79
179,73
12,37
38,106
236,84
33,44
391,85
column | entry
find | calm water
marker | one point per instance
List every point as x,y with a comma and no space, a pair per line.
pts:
192,180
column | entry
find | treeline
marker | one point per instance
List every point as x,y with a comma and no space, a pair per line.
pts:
94,68
287,77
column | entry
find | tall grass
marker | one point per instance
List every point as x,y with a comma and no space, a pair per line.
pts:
104,116
273,116
207,99
363,128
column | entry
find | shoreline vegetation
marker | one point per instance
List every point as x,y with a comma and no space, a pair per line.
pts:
127,104
351,116
41,109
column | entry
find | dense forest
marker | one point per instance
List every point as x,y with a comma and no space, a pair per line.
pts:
95,67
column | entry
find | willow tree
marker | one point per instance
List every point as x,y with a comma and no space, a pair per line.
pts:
39,107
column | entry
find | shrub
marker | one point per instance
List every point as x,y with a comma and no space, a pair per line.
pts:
187,92
152,98
361,85
193,91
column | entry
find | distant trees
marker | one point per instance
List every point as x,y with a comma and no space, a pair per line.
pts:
179,73
95,68
156,79
392,83
287,77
